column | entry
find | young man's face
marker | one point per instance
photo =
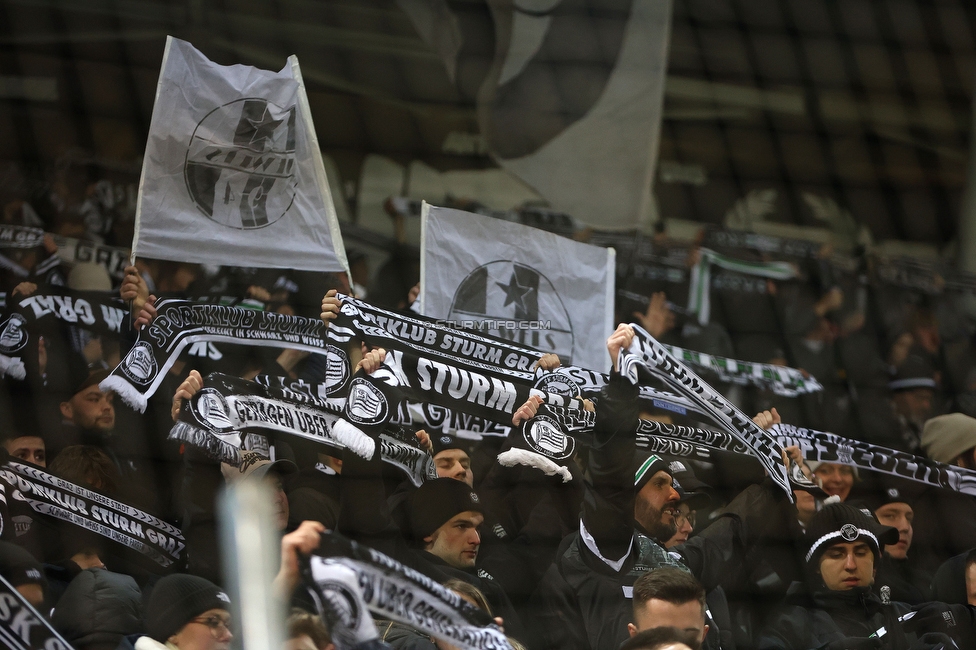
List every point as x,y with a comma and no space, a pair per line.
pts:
898,515
456,464
847,565
687,617
457,542
654,507
91,409
28,448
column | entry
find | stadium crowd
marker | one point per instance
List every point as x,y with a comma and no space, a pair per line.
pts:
635,550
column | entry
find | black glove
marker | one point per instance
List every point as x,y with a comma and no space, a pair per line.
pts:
855,643
934,641
955,621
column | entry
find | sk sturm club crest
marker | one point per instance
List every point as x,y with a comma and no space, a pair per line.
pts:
233,173
240,166
518,283
503,296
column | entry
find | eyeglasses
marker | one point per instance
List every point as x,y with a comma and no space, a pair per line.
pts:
680,518
215,623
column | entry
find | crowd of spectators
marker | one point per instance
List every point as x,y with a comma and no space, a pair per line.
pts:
636,551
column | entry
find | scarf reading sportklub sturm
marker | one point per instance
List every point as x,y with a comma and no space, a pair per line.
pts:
398,593
128,527
94,311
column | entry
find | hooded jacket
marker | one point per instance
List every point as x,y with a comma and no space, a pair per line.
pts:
99,607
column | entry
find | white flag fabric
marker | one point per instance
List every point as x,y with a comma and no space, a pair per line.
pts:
579,124
232,173
519,283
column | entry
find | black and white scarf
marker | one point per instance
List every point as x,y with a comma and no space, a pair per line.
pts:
21,626
645,353
396,592
125,525
181,322
724,238
112,258
227,408
819,446
20,237
93,311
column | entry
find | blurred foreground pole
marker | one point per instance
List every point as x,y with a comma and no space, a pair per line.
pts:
251,550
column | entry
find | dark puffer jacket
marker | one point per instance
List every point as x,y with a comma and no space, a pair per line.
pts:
99,608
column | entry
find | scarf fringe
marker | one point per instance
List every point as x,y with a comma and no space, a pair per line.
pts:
527,458
12,367
353,438
126,391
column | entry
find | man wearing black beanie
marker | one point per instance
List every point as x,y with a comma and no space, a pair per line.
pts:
444,516
837,610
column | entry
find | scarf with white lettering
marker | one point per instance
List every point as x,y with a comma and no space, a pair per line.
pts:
227,408
112,258
819,446
724,238
20,237
181,322
699,286
22,627
646,354
128,527
93,311
398,593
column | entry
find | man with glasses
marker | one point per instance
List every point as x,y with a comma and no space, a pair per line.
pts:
186,612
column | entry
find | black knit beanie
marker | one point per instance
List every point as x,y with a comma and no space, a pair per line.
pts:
647,465
436,501
179,598
838,523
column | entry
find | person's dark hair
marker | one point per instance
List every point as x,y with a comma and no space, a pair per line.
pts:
88,466
657,637
669,584
302,623
970,559
467,589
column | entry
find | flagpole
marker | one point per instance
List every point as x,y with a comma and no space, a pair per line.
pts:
321,179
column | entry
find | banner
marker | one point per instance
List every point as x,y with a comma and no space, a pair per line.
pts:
396,592
232,157
517,283
580,125
46,494
22,627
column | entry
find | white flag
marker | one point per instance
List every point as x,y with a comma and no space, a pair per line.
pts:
572,104
233,174
518,283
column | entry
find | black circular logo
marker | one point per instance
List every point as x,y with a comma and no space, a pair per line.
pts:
240,167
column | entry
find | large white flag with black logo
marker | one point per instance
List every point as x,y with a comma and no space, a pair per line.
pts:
572,104
519,283
233,174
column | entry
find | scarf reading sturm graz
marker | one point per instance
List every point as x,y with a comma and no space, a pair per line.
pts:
646,353
216,418
93,311
21,626
820,446
397,593
119,522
